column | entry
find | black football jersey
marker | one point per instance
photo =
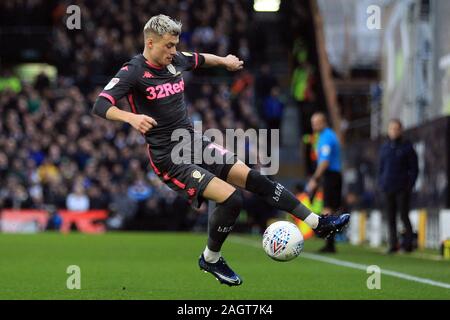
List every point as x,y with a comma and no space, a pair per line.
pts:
156,92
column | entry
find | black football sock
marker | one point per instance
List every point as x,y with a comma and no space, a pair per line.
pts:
276,195
222,220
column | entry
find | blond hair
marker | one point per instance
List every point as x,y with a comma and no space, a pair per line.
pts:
162,24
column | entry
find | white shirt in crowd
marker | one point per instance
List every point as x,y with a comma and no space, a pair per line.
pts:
77,202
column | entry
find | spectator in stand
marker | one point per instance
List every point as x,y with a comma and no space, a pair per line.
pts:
273,109
77,200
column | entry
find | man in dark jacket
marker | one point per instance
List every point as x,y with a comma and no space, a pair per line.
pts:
398,169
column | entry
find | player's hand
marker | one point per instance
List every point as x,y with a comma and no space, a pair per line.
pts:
232,63
142,123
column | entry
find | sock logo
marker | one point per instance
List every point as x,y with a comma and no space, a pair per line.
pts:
224,229
278,190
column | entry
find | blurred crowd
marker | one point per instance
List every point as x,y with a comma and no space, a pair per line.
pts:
54,152
111,33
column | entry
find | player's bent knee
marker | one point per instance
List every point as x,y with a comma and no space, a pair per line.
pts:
238,174
234,202
218,190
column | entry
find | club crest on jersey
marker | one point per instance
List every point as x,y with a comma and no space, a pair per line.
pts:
171,69
112,83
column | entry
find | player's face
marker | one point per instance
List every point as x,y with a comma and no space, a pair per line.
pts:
164,49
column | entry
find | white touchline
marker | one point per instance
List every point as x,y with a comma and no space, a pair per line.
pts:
352,265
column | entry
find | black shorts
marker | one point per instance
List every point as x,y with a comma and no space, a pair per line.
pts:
190,178
332,189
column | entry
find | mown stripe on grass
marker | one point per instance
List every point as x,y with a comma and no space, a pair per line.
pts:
349,264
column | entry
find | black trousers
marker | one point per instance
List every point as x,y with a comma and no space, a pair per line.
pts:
395,202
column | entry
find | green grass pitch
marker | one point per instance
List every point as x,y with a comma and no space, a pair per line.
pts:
164,266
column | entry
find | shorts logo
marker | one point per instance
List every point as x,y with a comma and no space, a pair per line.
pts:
112,83
191,192
197,175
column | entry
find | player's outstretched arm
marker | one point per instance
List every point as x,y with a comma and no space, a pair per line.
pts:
140,122
105,105
230,62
